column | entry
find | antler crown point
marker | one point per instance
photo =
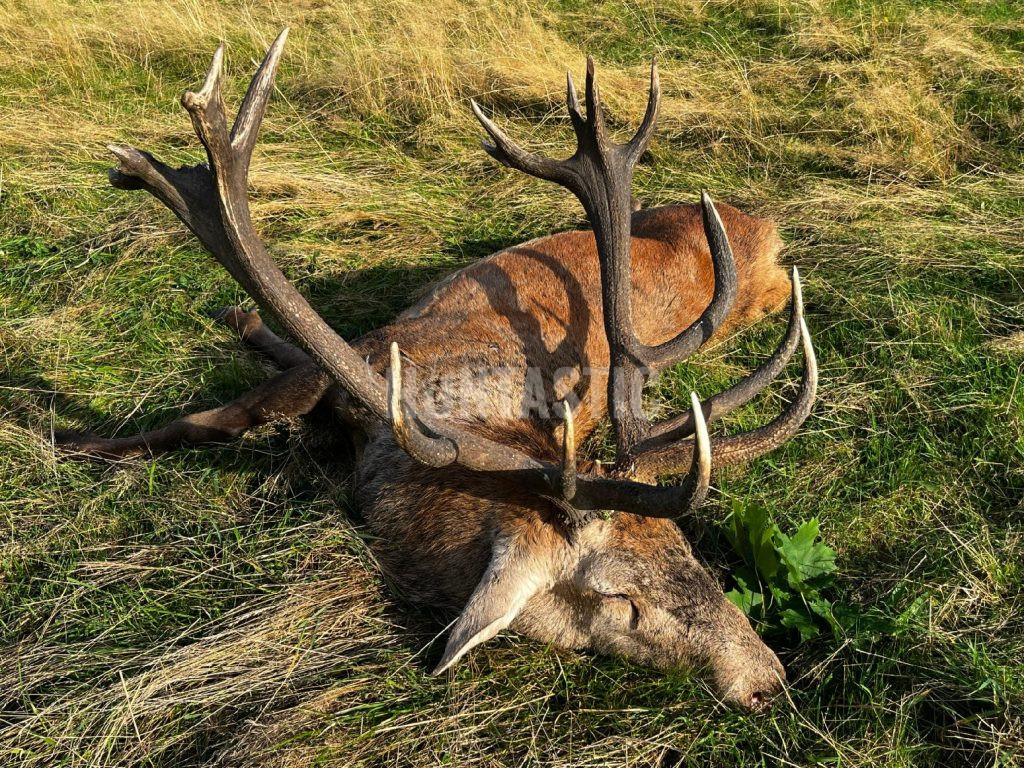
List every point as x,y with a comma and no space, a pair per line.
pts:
192,100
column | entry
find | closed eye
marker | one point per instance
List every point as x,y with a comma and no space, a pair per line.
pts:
634,612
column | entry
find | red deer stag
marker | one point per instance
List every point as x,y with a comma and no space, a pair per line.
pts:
479,502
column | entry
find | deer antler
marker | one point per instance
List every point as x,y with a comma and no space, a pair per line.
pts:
600,174
211,199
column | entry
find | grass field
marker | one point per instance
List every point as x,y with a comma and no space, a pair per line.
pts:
222,606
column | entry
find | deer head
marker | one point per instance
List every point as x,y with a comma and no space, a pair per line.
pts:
626,586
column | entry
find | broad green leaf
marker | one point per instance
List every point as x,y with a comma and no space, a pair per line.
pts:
803,623
821,607
747,595
751,535
744,599
806,559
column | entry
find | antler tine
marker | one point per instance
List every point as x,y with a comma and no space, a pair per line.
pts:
254,105
595,111
573,103
568,478
137,169
661,501
734,449
700,466
432,451
744,390
703,328
740,448
700,469
507,152
206,108
642,138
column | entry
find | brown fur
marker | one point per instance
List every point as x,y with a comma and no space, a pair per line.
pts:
539,305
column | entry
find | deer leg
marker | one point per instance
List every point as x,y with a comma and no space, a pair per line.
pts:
251,329
293,393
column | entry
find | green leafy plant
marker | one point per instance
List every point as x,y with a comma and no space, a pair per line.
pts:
784,578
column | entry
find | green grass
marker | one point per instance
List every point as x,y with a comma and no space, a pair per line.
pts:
223,605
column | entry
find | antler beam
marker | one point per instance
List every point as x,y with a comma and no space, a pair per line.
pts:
600,174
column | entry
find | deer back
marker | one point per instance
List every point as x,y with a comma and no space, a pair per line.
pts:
515,332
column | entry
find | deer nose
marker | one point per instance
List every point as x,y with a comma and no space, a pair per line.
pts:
759,700
762,696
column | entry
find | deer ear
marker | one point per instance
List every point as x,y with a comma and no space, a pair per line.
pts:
516,572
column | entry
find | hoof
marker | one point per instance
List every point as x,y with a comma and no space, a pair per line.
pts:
241,321
83,446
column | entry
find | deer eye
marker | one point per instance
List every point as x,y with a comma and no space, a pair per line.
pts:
634,612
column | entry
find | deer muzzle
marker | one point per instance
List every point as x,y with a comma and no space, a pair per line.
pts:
747,672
